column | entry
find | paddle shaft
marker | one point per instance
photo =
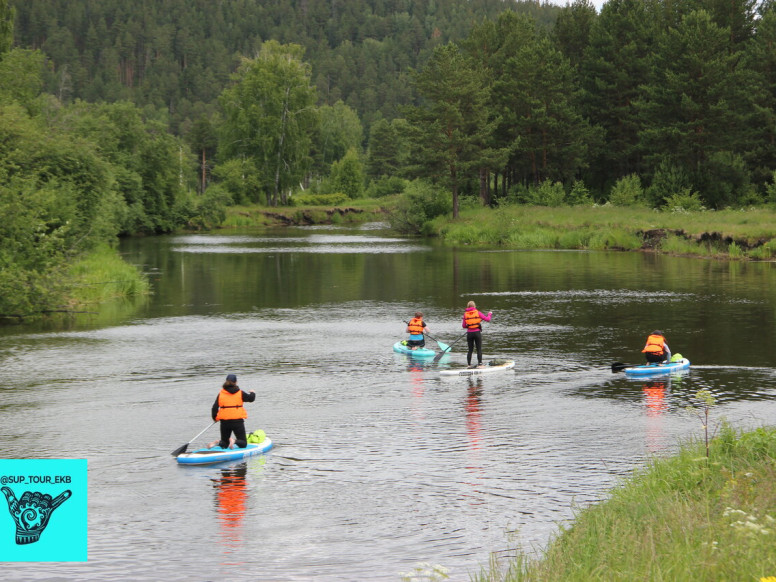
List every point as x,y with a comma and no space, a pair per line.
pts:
182,449
443,352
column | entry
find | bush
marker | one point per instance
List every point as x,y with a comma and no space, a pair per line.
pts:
579,195
386,187
548,193
420,203
627,191
685,201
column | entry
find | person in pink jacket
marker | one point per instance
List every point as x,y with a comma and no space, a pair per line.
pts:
472,318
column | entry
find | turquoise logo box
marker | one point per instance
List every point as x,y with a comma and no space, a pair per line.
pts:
43,510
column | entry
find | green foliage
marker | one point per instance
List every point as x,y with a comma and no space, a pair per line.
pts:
725,181
209,210
339,131
579,194
386,186
269,117
101,275
627,192
21,77
765,251
347,175
241,178
420,203
669,180
685,201
6,27
548,193
319,199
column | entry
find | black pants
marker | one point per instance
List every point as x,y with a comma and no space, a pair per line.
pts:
654,358
237,427
474,338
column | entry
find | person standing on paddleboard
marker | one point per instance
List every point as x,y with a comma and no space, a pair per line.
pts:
657,351
472,319
228,408
416,327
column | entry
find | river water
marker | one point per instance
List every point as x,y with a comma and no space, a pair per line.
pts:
380,463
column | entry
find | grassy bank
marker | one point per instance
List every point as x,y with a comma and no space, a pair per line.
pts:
354,212
102,276
749,233
687,517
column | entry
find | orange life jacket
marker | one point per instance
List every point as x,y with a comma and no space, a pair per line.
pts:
416,326
655,345
230,406
472,319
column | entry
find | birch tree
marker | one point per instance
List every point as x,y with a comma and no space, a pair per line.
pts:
270,117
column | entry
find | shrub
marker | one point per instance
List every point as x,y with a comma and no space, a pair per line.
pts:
627,191
420,203
386,187
685,201
548,194
579,194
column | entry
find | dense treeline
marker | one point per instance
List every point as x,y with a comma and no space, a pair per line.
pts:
179,54
142,117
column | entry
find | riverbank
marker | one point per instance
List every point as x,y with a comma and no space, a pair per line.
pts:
687,517
726,234
354,212
102,276
733,234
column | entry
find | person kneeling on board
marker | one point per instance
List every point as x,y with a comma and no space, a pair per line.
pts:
416,327
229,410
657,351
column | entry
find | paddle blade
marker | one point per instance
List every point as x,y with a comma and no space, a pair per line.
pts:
619,366
180,450
439,355
443,347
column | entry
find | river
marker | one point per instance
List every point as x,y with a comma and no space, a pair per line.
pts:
379,463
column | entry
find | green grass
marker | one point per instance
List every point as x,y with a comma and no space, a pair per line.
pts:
687,517
353,212
702,233
102,275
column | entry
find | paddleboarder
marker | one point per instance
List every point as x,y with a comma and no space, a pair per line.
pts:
416,327
472,319
656,350
229,410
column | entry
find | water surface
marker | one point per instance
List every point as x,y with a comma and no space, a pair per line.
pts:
379,462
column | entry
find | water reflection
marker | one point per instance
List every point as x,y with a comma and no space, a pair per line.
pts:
231,501
656,401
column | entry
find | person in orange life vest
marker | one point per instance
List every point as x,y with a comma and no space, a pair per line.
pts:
657,349
228,408
471,323
416,328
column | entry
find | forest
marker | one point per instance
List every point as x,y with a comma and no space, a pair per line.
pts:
121,118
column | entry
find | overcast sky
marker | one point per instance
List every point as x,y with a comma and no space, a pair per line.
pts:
596,3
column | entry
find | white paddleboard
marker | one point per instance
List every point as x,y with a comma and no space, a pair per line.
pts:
493,366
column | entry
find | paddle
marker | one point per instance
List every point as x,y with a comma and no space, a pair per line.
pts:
182,449
619,366
443,352
442,346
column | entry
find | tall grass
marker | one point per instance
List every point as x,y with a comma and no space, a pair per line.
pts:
102,275
682,518
753,231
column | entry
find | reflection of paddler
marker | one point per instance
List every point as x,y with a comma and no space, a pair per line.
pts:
655,398
231,496
472,412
